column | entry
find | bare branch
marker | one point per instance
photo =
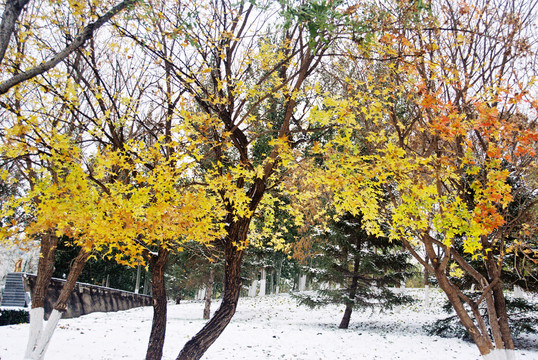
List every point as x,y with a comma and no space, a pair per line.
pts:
12,11
78,42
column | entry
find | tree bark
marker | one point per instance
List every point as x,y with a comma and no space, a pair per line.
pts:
45,268
12,11
71,281
198,345
209,294
439,266
158,326
482,341
344,324
39,337
499,305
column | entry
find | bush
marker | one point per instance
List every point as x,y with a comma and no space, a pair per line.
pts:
11,316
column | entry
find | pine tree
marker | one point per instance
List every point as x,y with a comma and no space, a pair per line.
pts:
363,267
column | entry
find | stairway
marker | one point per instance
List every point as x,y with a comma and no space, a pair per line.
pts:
14,291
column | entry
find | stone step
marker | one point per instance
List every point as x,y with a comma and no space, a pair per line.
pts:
14,291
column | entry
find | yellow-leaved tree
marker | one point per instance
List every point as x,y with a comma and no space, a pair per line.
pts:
439,139
102,171
247,74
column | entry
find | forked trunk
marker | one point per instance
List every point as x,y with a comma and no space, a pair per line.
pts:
499,303
45,335
198,345
158,326
502,346
485,346
40,338
502,350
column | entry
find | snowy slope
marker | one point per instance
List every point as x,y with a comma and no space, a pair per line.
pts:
272,327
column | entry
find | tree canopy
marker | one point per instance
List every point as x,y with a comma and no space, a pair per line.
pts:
132,128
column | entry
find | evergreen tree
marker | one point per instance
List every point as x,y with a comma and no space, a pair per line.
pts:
363,267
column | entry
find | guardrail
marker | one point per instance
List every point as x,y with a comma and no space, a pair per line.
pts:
84,299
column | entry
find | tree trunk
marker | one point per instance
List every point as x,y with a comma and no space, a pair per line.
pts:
344,324
481,340
71,281
439,266
499,304
45,268
209,293
12,11
302,282
253,288
42,341
263,282
137,284
158,326
146,284
195,348
278,274
426,284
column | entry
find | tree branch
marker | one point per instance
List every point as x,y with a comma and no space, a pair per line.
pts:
78,42
12,11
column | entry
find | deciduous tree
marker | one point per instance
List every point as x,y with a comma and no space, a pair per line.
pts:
449,115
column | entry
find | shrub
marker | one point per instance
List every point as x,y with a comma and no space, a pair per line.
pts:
12,316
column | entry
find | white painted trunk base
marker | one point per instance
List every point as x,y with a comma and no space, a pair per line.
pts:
501,354
519,292
201,294
43,343
39,338
252,290
262,288
36,326
302,283
426,296
262,283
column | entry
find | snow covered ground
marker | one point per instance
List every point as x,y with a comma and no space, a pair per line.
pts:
272,327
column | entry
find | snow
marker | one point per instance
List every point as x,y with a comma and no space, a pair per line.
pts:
270,327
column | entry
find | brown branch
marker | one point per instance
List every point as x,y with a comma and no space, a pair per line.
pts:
417,256
12,11
79,41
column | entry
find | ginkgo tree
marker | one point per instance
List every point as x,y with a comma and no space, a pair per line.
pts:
123,219
28,49
103,173
449,123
